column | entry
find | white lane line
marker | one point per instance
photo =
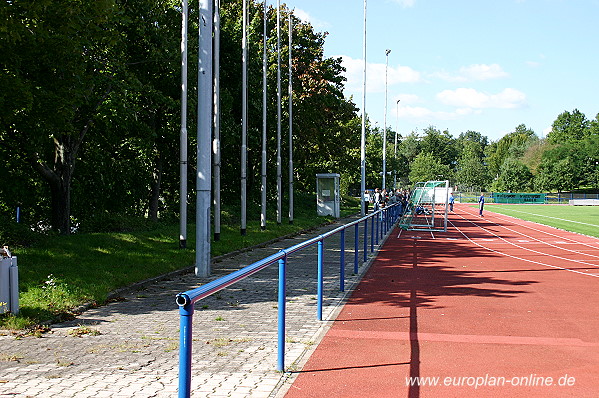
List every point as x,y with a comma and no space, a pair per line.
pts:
523,259
571,241
530,250
544,242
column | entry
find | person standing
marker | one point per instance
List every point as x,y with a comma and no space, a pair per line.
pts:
367,200
451,200
481,204
377,199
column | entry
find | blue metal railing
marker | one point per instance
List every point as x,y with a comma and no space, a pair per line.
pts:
384,220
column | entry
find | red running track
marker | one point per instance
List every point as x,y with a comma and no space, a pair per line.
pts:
495,307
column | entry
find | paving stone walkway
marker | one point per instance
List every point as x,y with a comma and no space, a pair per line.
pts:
131,348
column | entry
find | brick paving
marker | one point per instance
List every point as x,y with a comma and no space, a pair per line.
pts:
133,351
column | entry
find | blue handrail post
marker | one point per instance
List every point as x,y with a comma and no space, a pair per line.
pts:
385,222
281,315
320,279
356,246
378,221
342,262
365,240
185,341
372,234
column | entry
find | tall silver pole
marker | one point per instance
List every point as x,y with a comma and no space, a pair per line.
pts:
363,136
204,137
183,135
244,128
395,145
279,177
216,147
264,99
385,124
290,124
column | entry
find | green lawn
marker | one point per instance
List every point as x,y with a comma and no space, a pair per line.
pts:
62,272
580,219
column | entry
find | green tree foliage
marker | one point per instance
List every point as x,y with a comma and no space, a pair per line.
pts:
514,176
97,84
572,161
472,142
471,171
410,147
568,127
511,145
427,167
60,58
441,144
562,168
89,117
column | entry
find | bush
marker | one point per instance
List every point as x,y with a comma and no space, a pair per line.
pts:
109,222
17,234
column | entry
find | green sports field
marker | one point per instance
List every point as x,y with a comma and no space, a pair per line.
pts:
581,219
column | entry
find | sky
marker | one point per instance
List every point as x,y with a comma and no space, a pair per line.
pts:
459,65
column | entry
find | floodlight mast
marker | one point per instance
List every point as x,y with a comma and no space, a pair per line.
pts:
363,134
385,124
395,146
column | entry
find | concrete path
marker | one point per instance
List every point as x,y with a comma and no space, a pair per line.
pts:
132,347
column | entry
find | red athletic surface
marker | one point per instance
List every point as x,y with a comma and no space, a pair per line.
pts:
494,301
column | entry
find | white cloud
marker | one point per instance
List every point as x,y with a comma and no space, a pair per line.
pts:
406,99
473,73
509,98
375,75
426,114
307,18
406,3
483,72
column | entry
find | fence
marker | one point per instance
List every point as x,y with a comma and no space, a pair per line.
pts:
381,222
548,198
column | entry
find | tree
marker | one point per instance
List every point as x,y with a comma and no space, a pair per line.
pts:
427,167
410,146
61,57
562,168
514,176
471,173
511,145
473,142
441,144
568,127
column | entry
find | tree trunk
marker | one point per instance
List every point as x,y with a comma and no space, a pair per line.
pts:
154,201
59,179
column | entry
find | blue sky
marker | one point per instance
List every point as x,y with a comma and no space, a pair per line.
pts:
482,65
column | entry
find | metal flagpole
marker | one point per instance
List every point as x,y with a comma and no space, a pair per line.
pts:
279,179
183,135
264,87
204,138
395,146
290,124
216,146
385,124
244,111
363,135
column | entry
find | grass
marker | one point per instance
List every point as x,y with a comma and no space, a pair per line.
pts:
60,273
580,219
